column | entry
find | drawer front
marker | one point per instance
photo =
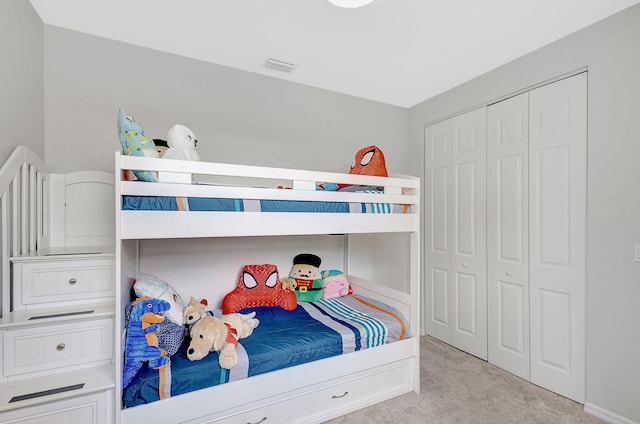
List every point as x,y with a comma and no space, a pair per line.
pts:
277,413
52,346
57,281
89,409
350,395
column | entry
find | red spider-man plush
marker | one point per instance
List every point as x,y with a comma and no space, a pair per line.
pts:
259,285
369,161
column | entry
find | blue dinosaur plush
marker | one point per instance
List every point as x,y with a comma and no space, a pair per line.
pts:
142,339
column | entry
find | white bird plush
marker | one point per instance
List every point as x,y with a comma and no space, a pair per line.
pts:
182,144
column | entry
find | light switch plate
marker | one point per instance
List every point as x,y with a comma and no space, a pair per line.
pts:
637,253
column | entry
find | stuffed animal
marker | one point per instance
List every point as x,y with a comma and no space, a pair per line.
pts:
182,144
210,334
135,143
369,161
335,284
195,310
142,339
152,286
306,273
259,285
161,146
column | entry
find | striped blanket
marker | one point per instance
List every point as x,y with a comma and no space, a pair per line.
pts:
315,330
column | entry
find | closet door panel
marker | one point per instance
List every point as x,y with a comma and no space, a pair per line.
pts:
437,232
558,152
507,235
469,294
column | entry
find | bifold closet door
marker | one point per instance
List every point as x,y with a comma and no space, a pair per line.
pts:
507,234
536,243
456,296
557,231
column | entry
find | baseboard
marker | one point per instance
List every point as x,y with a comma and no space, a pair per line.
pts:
606,415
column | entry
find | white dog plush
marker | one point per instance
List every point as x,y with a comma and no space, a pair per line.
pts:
182,144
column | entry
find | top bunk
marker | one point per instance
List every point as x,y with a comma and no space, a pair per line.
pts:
187,199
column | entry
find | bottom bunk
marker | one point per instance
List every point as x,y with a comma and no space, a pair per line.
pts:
319,361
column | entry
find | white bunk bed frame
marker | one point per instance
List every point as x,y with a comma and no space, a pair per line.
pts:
331,387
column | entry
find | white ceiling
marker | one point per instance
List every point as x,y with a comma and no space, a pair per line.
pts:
399,52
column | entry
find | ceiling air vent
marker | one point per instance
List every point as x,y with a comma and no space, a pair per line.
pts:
278,65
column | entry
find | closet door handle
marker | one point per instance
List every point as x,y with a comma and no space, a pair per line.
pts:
72,281
464,264
508,273
60,347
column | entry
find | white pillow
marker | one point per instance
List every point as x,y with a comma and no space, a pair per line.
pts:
149,285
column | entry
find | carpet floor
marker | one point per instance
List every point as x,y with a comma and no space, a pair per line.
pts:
462,389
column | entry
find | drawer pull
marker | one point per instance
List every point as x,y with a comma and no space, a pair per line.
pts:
261,421
341,396
60,347
72,281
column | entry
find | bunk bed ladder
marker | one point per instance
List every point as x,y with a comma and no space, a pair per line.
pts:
23,212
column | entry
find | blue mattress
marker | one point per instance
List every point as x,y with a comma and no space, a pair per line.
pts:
166,203
315,330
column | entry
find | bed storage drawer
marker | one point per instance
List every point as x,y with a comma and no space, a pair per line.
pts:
63,280
352,393
49,347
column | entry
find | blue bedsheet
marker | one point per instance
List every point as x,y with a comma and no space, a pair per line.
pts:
313,331
167,203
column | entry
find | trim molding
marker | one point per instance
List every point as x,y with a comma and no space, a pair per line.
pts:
606,415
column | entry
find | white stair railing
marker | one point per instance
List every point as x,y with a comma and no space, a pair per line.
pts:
23,212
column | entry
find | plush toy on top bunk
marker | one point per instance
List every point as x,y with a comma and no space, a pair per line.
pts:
135,143
368,161
182,144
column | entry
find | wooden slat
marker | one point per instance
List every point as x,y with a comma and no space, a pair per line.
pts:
24,201
15,211
33,207
39,213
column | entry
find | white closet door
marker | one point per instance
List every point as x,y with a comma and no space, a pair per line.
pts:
438,147
507,235
469,267
455,231
558,160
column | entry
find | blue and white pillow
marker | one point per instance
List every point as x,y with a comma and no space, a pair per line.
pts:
135,143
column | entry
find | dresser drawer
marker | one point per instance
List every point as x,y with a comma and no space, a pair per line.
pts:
89,409
63,280
54,346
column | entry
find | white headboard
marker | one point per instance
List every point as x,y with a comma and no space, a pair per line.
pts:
82,209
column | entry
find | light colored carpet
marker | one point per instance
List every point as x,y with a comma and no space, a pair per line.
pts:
460,388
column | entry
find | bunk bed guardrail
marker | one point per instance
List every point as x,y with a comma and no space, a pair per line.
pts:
23,212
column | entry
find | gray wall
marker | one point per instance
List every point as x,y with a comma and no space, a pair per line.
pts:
238,117
611,51
21,78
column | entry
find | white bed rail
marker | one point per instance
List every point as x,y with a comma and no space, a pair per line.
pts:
255,182
23,212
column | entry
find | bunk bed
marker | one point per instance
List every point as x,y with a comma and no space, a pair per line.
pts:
198,223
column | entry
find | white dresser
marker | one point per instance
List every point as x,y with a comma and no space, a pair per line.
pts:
56,362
